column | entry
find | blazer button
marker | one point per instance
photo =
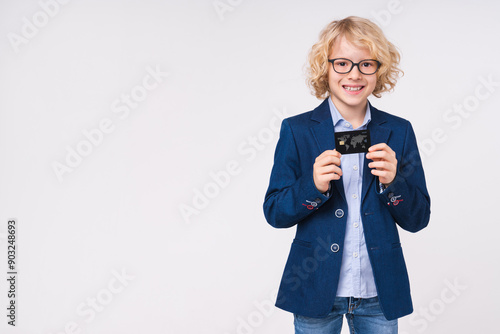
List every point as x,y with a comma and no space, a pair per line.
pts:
335,248
339,213
318,200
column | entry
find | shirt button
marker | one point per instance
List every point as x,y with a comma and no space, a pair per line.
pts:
335,248
355,167
339,213
355,225
355,254
354,196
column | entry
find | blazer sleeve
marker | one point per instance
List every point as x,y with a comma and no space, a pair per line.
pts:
406,197
292,194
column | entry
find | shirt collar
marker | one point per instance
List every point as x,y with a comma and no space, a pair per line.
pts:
336,116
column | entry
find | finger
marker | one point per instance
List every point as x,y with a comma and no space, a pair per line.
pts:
328,153
382,147
330,169
330,176
384,165
329,160
378,155
382,174
327,177
383,155
379,146
334,153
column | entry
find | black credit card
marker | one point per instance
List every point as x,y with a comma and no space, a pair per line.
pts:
348,142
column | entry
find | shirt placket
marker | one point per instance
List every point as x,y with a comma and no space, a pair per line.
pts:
356,225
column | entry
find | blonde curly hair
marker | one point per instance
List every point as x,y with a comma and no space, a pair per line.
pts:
362,33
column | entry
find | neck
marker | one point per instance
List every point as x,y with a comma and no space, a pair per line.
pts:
352,114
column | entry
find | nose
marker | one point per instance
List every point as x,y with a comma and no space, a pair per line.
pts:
355,73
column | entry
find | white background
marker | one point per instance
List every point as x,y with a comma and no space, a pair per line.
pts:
232,76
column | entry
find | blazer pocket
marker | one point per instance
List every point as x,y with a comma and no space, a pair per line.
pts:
302,243
396,245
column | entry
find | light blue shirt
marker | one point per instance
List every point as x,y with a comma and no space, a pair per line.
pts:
356,275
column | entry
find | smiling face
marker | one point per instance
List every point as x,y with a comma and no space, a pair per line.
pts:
350,91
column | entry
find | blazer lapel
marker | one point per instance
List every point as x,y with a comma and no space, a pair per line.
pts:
378,134
323,133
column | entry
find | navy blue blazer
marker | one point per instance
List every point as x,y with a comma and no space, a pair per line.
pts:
310,278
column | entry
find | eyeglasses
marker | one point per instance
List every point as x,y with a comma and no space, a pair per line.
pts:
344,65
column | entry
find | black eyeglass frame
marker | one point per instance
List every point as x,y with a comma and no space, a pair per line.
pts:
355,64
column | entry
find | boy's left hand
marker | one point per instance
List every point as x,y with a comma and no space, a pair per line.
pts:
384,162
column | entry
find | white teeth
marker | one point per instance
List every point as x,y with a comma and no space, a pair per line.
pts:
352,88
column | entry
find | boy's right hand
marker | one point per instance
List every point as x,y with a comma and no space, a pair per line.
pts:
326,168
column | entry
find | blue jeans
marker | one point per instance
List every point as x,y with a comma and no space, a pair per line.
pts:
364,316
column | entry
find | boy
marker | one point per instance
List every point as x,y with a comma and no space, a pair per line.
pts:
346,257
